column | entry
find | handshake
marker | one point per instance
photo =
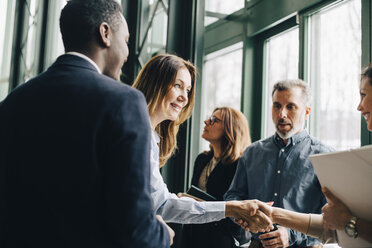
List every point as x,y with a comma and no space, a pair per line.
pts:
253,215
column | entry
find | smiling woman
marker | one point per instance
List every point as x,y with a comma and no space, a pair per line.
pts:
168,83
365,105
175,99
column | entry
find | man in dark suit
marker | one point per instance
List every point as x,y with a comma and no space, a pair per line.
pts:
75,145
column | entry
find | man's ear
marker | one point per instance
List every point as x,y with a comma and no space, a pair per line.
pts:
105,34
307,112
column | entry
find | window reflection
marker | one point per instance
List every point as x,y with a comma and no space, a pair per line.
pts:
55,45
155,39
31,56
335,55
6,34
222,79
221,7
281,62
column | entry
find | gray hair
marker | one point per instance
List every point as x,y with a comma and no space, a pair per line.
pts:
292,83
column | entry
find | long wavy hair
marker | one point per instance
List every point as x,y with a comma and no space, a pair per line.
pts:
155,80
236,136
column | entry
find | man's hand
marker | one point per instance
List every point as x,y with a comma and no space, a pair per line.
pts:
256,215
278,238
335,214
170,230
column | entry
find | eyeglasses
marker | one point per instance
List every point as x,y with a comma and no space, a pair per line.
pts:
212,119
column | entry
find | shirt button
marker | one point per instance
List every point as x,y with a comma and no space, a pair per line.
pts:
278,171
282,150
275,194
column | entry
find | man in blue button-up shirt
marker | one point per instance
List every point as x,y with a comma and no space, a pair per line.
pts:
278,168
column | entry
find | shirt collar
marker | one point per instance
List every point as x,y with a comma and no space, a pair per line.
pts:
86,58
155,136
297,138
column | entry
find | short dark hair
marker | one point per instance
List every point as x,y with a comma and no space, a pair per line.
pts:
292,83
367,73
80,21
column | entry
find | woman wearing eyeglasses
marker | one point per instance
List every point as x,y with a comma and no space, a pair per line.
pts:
228,134
168,84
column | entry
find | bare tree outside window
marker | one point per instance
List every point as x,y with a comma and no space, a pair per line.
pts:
222,81
281,62
335,55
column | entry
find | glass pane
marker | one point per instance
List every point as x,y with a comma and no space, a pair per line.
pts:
6,38
208,20
335,55
222,80
55,45
156,37
222,7
34,26
281,62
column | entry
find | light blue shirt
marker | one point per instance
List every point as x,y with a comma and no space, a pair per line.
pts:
178,210
270,170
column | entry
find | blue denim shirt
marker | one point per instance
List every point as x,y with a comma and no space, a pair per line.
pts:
269,170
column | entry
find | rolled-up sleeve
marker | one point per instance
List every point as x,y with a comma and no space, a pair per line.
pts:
317,229
183,210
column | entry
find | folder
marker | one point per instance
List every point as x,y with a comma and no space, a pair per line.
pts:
198,193
348,175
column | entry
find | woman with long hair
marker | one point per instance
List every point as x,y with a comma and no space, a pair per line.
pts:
228,135
168,83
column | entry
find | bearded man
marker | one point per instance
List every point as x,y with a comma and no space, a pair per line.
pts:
278,169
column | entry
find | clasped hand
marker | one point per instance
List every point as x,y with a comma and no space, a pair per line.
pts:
252,215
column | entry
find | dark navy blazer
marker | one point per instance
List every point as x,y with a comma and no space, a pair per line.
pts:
74,162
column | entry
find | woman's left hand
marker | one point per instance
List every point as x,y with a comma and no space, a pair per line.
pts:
335,214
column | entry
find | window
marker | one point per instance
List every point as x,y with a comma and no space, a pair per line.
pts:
222,80
155,36
54,46
334,68
281,62
6,39
31,52
216,9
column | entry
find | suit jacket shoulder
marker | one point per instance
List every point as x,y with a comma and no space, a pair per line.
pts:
76,153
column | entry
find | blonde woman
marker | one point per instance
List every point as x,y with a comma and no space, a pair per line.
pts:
168,83
227,132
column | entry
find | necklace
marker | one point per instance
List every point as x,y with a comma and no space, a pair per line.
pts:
206,173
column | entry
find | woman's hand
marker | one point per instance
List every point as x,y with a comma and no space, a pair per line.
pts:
190,196
335,214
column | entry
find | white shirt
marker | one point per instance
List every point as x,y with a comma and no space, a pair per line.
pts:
86,58
183,210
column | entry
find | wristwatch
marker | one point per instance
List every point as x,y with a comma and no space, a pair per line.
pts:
350,228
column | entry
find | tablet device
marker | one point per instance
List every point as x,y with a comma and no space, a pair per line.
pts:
195,191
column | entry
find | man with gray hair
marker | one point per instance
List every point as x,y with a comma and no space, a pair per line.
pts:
277,169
